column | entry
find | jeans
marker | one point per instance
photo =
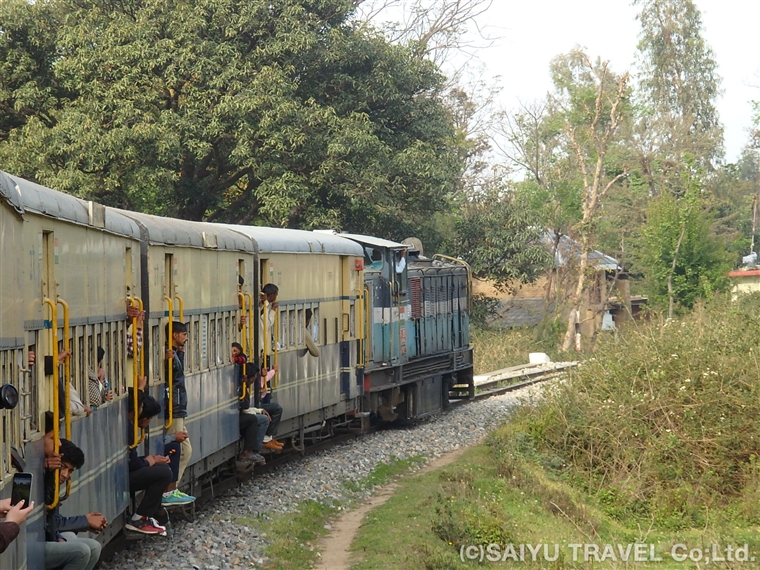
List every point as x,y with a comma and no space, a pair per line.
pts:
275,410
153,480
76,553
253,427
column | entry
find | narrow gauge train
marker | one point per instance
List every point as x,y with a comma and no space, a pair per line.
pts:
392,328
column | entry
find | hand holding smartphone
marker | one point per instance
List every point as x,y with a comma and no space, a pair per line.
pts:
22,489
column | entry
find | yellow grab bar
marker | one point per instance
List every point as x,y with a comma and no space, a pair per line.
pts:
66,367
170,367
66,377
56,406
264,332
138,366
275,349
181,308
244,385
368,325
249,298
243,327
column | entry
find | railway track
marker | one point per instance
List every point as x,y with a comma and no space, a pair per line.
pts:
487,385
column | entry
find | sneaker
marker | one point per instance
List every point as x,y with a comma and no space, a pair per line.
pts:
277,442
156,524
176,497
144,525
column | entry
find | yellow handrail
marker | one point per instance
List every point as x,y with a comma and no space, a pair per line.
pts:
276,350
469,275
181,308
243,326
66,377
264,332
66,367
390,325
368,325
244,384
170,367
249,298
56,406
139,361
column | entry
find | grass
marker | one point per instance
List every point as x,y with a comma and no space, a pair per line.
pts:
500,348
476,501
294,536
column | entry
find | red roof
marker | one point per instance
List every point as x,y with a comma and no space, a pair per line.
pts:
750,273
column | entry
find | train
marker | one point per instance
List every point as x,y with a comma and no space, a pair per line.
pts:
391,325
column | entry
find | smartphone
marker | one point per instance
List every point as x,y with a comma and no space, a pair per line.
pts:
22,488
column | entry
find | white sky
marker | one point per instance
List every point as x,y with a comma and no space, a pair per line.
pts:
532,32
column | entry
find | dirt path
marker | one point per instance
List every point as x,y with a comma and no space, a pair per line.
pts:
335,547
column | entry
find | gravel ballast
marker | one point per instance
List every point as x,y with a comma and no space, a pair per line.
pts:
215,542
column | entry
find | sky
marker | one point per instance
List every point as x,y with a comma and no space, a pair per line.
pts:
531,32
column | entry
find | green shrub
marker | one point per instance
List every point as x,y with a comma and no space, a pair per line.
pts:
662,421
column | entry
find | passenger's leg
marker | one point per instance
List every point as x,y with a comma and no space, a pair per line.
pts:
275,411
91,543
248,425
261,430
178,424
153,480
72,555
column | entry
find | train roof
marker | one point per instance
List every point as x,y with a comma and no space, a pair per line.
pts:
367,240
25,196
185,233
280,240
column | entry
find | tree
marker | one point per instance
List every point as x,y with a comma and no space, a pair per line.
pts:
678,85
280,113
500,239
685,260
594,104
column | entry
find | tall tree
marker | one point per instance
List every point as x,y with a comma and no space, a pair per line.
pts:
678,85
594,103
685,260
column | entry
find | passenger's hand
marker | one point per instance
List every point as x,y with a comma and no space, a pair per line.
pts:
63,355
180,436
96,521
53,462
19,512
109,396
132,311
87,410
169,354
142,382
5,506
161,459
243,321
140,319
31,358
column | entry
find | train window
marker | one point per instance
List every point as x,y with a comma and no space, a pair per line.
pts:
315,324
28,408
227,339
197,343
158,348
203,337
292,337
283,328
212,344
300,326
352,321
220,351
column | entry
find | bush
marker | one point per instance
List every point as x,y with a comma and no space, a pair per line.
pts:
662,422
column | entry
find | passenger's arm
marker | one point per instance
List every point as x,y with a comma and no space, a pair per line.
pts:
8,533
72,524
